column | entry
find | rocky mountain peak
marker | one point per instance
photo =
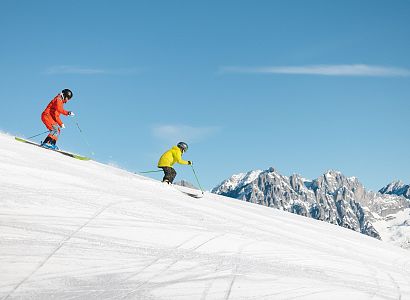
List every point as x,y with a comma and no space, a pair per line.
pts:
396,188
332,197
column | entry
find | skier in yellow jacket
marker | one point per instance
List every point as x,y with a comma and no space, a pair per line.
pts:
169,158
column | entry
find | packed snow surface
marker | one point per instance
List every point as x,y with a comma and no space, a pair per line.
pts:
73,229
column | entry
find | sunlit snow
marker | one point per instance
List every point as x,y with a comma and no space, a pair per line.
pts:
73,229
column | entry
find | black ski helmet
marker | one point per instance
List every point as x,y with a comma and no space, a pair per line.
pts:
67,94
183,146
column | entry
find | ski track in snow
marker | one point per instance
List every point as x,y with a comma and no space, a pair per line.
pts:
52,253
83,230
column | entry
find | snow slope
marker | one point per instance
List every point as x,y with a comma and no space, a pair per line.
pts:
71,229
395,228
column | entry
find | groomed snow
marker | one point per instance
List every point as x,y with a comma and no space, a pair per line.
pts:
73,229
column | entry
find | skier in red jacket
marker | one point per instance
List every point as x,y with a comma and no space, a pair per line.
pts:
51,118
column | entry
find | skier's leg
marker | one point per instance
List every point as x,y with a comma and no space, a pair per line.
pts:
47,140
51,139
54,133
51,125
172,175
169,174
166,174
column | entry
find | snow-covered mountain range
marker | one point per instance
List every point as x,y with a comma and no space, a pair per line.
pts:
332,198
397,188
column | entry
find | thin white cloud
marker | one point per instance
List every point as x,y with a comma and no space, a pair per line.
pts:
325,70
175,133
76,70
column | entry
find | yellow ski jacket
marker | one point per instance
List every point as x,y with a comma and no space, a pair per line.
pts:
172,156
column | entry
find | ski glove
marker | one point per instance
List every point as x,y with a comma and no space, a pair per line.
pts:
70,113
62,126
189,162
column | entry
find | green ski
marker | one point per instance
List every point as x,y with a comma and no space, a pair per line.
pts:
76,156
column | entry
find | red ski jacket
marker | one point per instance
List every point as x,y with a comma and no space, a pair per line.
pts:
55,108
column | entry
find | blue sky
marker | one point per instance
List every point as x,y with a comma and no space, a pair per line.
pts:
303,86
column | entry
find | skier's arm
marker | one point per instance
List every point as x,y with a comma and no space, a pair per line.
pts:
180,160
183,162
60,108
58,120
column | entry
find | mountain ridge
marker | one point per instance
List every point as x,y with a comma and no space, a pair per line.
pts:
332,197
397,188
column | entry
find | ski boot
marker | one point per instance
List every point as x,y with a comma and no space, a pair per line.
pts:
53,143
49,143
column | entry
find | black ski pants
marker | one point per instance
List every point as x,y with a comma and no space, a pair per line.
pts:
169,174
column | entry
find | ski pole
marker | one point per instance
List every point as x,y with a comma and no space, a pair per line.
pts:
38,134
197,179
153,171
83,136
